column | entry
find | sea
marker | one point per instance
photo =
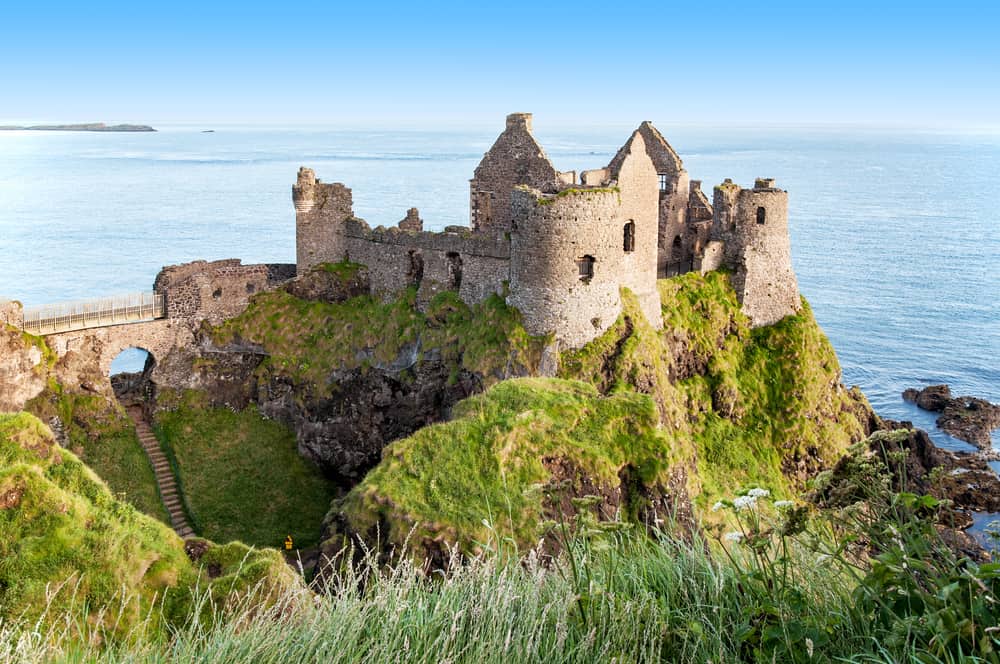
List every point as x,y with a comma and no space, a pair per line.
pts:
895,233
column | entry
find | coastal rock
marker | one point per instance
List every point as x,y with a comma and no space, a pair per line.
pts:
919,466
968,418
934,398
344,433
22,371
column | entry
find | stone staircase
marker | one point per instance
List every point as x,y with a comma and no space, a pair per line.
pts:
165,479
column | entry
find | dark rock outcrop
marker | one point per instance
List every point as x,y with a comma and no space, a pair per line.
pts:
968,418
344,433
919,466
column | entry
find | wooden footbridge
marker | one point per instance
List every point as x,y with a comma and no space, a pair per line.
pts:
85,314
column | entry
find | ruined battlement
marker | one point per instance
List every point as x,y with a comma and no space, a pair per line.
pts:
215,290
561,248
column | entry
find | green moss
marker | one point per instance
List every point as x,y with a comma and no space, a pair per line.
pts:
572,191
242,476
307,340
346,271
482,474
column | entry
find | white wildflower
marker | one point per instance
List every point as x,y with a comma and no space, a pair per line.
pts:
809,647
758,493
744,502
783,504
718,506
734,536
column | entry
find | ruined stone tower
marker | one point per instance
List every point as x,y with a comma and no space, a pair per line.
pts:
320,212
561,248
752,226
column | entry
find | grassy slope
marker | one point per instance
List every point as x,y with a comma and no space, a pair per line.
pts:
242,476
59,522
307,340
99,432
104,438
750,402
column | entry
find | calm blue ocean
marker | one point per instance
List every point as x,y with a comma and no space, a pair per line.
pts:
895,235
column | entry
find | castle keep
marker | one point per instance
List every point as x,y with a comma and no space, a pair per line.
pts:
560,246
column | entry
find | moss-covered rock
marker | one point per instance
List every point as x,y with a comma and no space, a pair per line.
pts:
499,468
709,406
350,374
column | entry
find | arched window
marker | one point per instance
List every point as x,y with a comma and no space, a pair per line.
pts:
677,249
761,215
629,240
585,268
454,270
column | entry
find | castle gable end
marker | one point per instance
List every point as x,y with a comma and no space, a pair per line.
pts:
515,159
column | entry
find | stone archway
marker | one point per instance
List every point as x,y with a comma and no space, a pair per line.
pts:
131,375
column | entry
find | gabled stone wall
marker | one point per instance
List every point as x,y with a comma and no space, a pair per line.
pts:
515,159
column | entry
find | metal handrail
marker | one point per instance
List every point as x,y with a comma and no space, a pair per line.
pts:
81,315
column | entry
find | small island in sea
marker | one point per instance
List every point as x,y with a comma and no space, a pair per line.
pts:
88,126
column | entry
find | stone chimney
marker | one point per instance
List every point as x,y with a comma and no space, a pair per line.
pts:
519,120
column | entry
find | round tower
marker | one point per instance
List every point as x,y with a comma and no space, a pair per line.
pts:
566,262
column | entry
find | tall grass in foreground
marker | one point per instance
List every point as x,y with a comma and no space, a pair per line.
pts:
626,600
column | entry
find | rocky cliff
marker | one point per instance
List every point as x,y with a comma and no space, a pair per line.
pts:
717,405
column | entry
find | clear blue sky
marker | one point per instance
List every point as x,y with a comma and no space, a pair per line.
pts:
377,63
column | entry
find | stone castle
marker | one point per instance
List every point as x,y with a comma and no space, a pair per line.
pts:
560,246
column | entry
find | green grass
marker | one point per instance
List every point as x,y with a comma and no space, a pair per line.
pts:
68,545
307,340
658,600
103,436
242,476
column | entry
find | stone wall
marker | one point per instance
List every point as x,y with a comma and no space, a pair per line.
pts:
472,264
215,290
636,180
753,226
515,159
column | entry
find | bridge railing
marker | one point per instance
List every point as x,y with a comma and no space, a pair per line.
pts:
69,316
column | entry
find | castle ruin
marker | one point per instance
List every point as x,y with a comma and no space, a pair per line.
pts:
560,246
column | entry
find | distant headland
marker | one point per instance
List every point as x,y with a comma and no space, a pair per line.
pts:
90,126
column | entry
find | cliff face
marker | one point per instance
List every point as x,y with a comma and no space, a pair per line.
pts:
731,406
350,372
23,369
